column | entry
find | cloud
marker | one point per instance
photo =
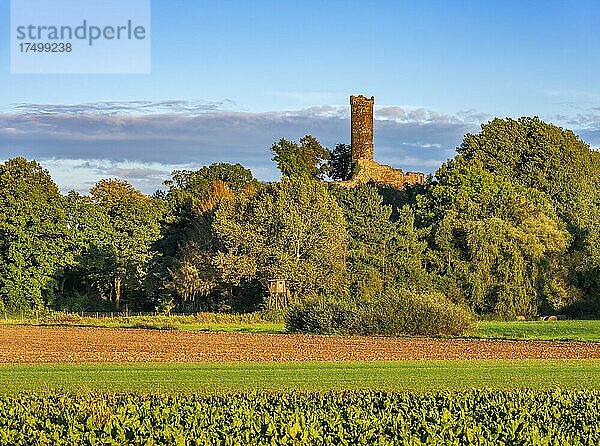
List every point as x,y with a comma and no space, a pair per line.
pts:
81,174
589,121
127,108
586,125
420,115
9,131
143,141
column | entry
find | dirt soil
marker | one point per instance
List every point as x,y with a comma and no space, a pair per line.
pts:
22,344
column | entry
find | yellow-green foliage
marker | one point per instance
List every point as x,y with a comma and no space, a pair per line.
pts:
469,417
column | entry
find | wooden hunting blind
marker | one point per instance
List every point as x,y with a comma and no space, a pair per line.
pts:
279,293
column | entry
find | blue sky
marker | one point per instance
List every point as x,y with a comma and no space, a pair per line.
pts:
230,77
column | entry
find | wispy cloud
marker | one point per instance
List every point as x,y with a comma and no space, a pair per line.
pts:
586,125
127,108
590,120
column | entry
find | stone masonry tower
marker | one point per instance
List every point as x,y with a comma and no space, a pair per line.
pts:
361,119
364,168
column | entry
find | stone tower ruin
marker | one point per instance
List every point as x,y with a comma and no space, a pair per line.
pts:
361,118
365,168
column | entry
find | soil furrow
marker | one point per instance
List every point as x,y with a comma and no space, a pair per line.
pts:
26,344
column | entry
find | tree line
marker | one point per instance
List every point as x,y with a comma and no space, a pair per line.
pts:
510,226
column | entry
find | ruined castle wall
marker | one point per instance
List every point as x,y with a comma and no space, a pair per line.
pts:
414,178
361,137
369,170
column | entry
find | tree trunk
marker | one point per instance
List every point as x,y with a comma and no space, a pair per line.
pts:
117,287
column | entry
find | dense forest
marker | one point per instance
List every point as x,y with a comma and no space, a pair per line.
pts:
509,227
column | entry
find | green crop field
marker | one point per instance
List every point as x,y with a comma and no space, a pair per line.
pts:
209,378
527,402
298,418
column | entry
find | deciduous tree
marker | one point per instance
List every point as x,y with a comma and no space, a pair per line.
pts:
495,245
34,235
555,161
134,227
307,159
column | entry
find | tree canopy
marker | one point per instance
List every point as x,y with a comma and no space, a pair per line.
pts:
34,236
494,244
307,159
556,162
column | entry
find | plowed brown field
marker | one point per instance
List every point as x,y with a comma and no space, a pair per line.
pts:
20,344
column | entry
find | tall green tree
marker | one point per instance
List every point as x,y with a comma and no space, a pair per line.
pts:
555,161
383,254
309,159
81,285
134,228
34,236
494,245
341,162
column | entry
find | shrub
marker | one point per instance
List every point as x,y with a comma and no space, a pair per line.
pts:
393,313
256,317
400,312
152,325
584,309
78,301
323,316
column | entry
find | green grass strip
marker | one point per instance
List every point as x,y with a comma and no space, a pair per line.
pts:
570,330
211,378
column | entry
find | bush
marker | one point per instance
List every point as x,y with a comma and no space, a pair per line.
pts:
321,316
393,313
584,309
78,301
424,314
256,317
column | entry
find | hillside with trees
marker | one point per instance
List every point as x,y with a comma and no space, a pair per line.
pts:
509,227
